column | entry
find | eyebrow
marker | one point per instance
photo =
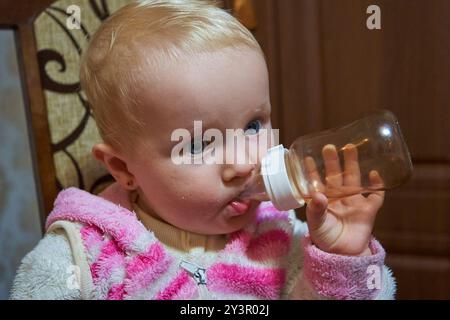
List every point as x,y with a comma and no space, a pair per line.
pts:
263,108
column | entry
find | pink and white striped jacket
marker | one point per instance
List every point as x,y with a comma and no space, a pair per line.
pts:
126,261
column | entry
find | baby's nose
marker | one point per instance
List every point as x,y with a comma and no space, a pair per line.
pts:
231,172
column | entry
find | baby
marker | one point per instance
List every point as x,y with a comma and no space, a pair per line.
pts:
166,230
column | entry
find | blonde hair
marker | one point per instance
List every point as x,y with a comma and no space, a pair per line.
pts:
146,34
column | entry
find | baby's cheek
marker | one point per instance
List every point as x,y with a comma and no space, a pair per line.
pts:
195,188
198,197
193,208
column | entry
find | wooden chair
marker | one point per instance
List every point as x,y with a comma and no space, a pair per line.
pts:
61,128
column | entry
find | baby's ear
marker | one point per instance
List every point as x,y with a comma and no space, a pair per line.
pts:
116,166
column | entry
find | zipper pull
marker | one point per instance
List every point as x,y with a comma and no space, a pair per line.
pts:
199,274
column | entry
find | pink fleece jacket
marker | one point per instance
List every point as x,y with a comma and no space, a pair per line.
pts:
128,262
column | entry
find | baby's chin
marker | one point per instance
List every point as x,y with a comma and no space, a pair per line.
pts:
224,221
233,222
223,228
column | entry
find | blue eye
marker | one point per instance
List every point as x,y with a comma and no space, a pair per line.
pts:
198,146
253,127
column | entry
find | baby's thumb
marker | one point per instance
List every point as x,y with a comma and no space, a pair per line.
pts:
316,211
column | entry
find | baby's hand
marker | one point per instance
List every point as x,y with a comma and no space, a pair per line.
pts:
342,226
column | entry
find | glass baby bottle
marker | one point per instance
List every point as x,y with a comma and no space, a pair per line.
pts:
367,155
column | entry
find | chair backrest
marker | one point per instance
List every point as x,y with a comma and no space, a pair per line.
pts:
62,32
60,41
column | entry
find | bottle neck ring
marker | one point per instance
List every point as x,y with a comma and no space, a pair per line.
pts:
277,182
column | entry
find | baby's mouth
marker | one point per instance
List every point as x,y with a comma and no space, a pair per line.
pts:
239,207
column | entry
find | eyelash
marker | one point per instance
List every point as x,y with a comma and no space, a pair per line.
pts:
206,143
260,125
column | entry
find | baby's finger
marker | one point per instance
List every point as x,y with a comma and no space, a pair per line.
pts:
376,198
352,174
332,166
315,184
316,211
375,180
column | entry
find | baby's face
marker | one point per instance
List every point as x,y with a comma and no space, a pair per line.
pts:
226,90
